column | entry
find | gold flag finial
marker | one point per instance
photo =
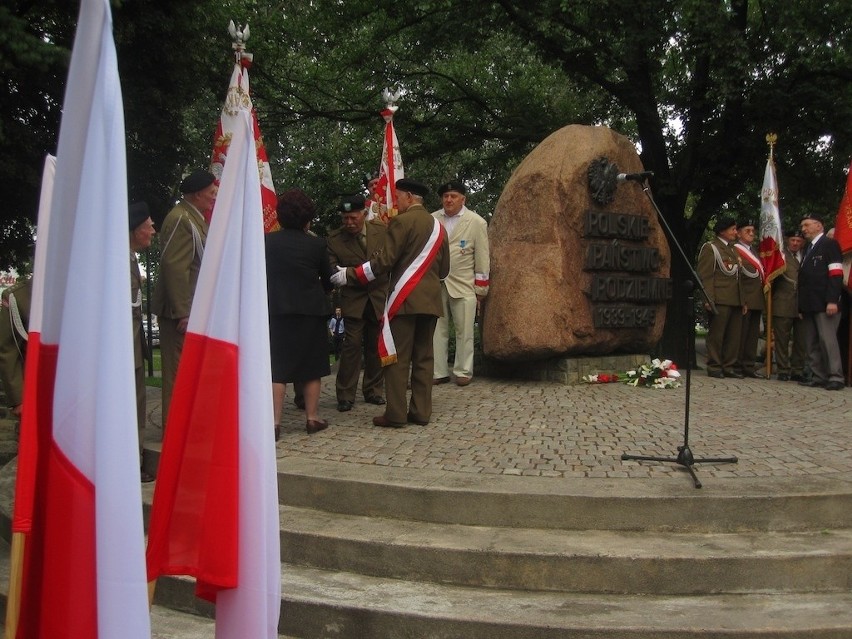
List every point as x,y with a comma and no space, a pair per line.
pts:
771,139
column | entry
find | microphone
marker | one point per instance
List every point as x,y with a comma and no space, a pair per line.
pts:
636,177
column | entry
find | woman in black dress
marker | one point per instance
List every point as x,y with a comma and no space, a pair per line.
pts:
298,279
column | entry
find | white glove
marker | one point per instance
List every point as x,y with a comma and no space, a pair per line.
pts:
339,278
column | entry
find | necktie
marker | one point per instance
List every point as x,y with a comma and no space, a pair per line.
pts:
362,242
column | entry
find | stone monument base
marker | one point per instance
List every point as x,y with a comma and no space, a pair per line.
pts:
564,370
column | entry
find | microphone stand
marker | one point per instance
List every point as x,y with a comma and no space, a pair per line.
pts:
684,457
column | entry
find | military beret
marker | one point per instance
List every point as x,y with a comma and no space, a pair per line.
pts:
452,185
197,181
811,216
137,213
351,203
723,224
746,222
412,186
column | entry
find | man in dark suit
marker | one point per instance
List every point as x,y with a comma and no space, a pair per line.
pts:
362,306
417,257
820,287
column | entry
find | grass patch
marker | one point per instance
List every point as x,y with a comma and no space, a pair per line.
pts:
155,380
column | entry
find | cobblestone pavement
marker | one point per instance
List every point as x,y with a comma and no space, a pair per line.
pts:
508,427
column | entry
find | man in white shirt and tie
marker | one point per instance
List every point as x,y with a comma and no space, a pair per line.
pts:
466,285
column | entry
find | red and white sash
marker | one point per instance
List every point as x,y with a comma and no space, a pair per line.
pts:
752,259
407,282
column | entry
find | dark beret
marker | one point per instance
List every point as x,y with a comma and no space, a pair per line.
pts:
723,224
137,213
412,186
452,185
811,216
351,203
746,222
197,181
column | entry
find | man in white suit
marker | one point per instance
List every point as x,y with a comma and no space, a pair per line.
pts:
466,285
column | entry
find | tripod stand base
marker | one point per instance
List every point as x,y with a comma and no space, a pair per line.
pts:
684,458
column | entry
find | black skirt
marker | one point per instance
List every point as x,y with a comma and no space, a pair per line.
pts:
299,345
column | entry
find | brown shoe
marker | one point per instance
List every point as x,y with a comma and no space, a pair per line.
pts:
462,381
413,420
315,425
440,380
381,420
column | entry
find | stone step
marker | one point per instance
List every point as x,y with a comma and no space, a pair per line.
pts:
166,622
325,604
724,505
591,561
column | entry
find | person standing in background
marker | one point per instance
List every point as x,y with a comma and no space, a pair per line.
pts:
465,287
141,233
184,233
786,324
820,288
356,241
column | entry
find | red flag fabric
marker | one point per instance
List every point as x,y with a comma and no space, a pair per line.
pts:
22,518
771,247
390,169
843,223
238,99
843,229
215,509
84,570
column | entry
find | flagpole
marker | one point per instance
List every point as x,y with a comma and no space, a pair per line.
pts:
13,599
771,139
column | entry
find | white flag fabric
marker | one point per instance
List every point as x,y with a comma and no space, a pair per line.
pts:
215,510
771,247
84,574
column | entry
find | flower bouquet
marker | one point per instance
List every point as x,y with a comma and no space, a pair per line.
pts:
657,374
602,378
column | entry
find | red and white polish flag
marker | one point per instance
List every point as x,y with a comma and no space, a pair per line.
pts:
78,492
215,509
390,167
771,247
237,100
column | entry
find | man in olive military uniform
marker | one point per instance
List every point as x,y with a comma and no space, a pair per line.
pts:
183,235
141,234
14,323
752,279
417,257
718,267
786,323
361,306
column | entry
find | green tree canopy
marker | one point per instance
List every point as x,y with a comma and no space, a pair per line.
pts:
696,84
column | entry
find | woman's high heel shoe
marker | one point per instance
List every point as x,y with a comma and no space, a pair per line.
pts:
315,425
